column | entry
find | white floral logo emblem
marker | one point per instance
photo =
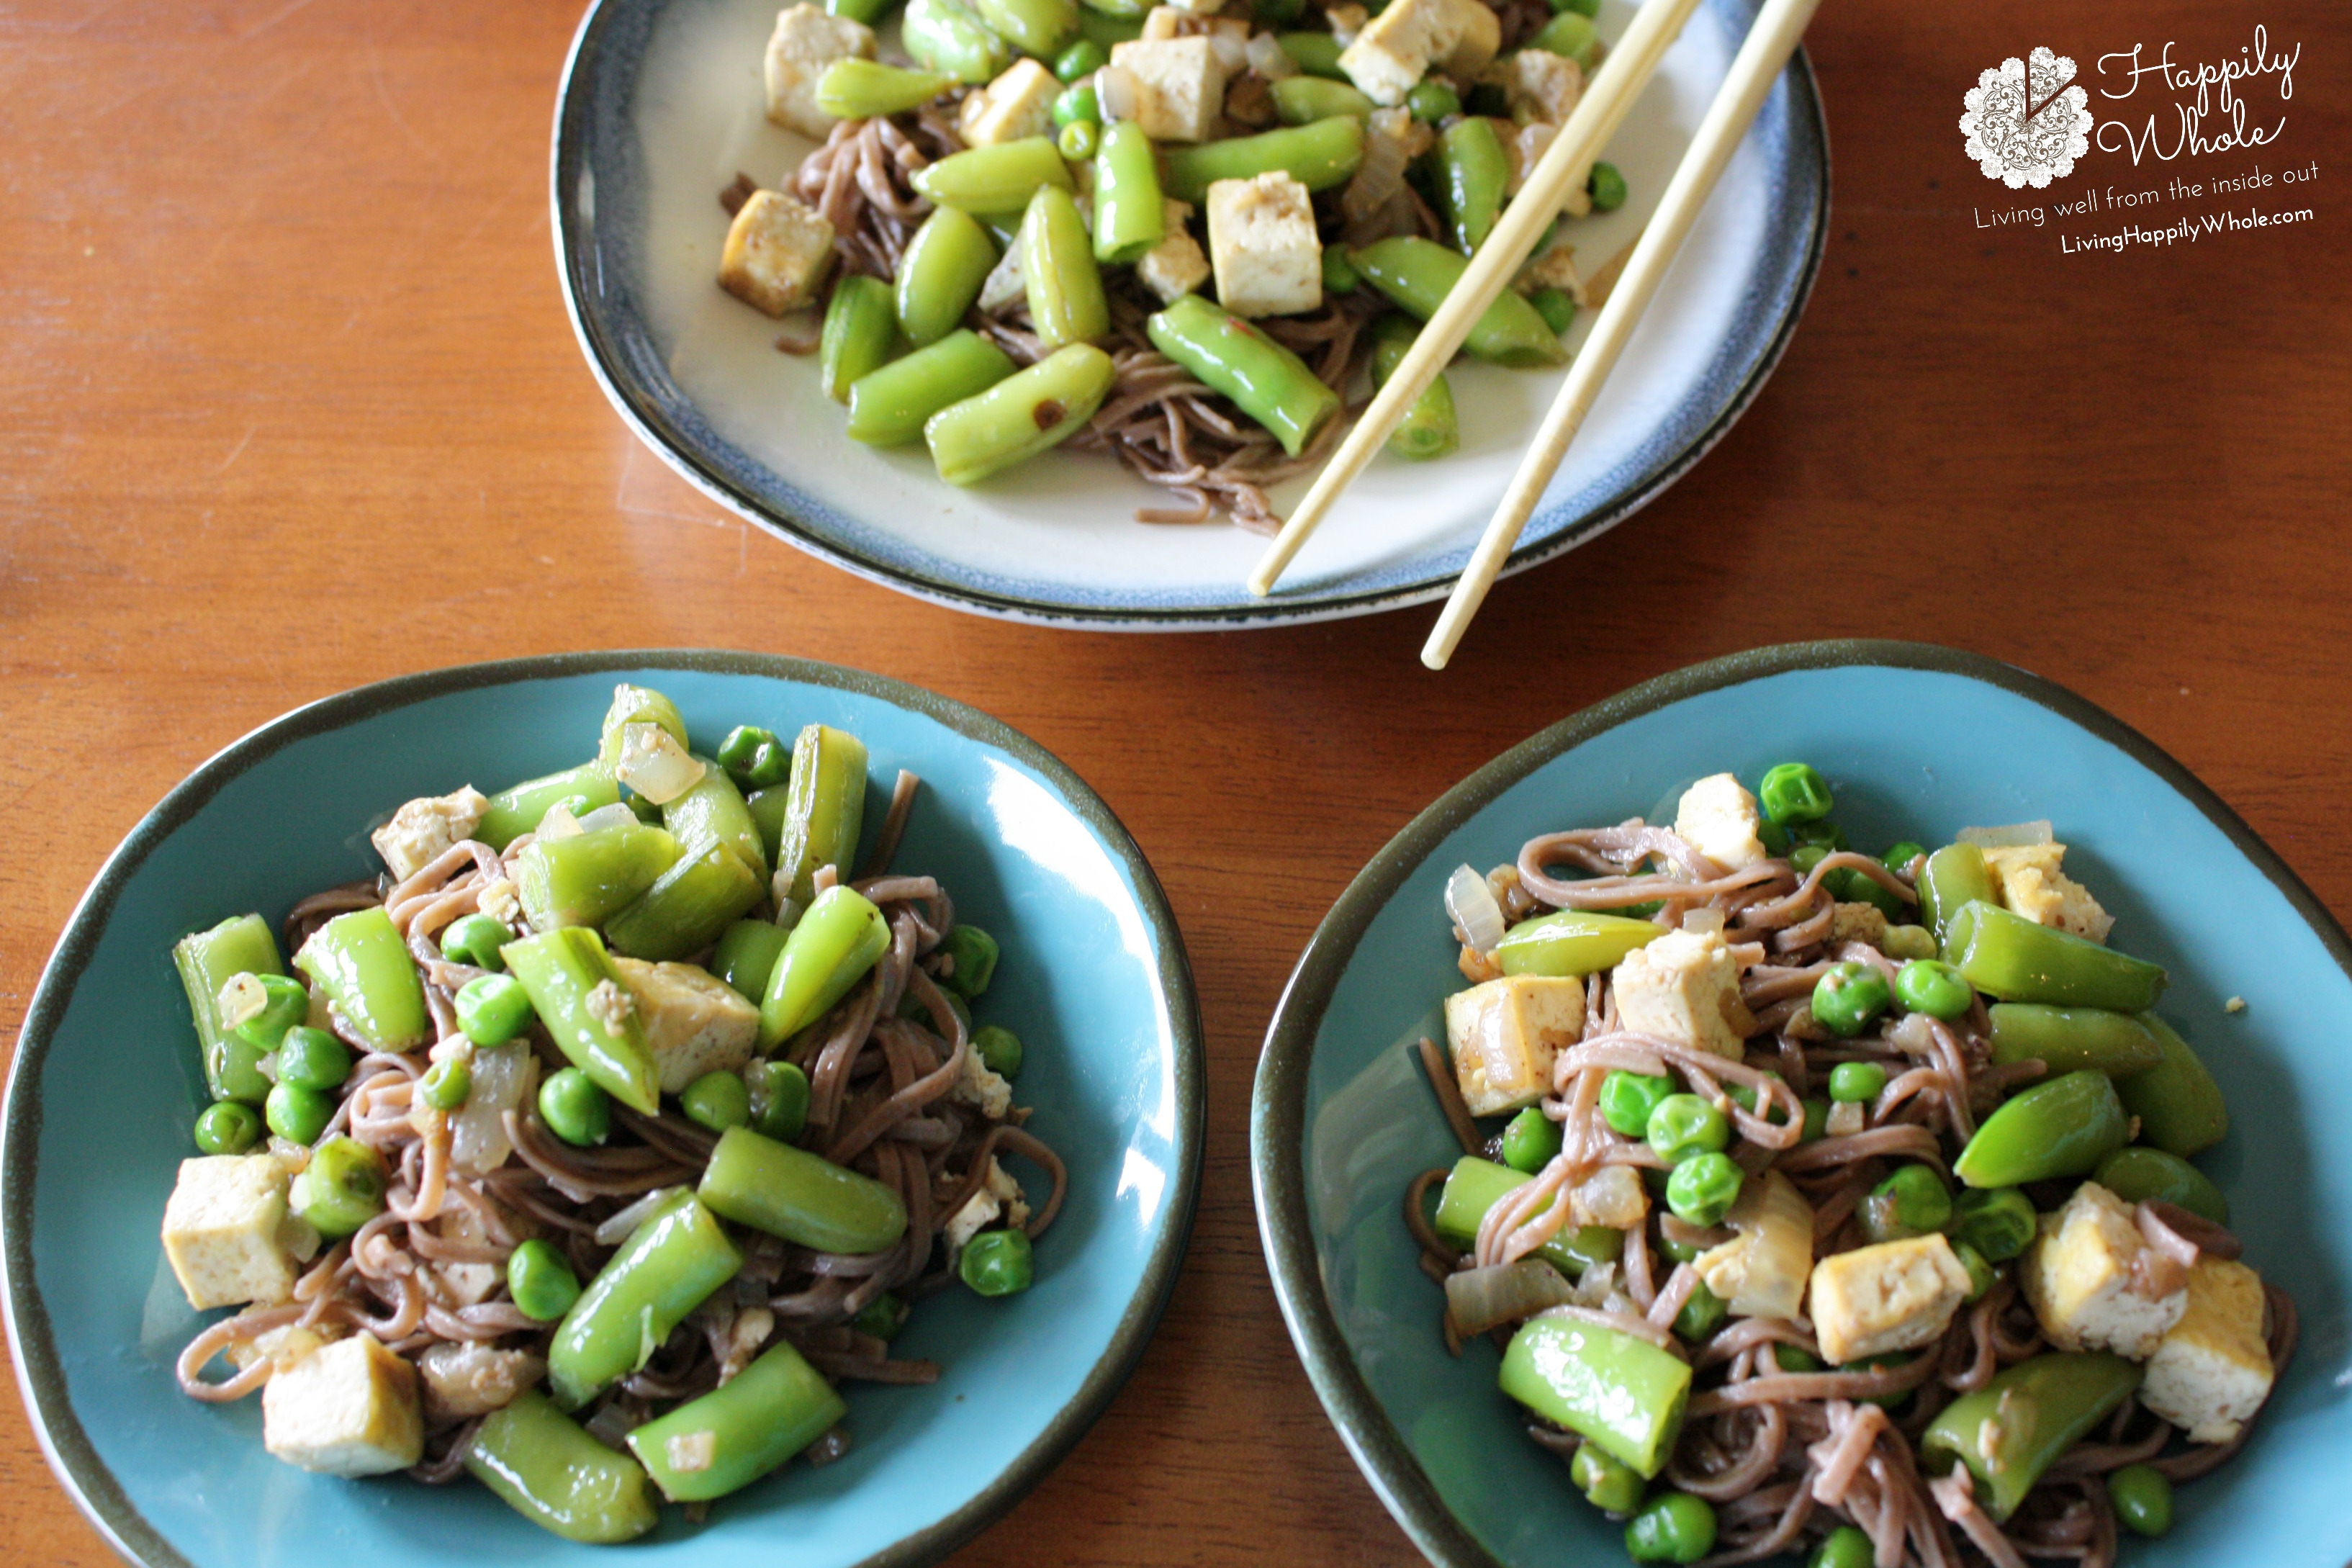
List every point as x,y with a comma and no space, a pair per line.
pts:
2025,124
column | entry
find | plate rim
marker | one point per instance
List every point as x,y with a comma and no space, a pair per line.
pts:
1278,1093
567,158
40,1378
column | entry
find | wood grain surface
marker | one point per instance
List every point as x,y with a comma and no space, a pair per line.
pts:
291,404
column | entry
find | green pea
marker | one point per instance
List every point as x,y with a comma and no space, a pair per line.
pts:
1997,1222
1607,188
1082,58
1790,1359
475,940
1934,987
1702,1314
542,1281
1790,791
1805,856
999,1048
1856,1083
1684,1124
1900,855
341,1188
1703,1188
1340,274
1430,101
313,1059
1845,1547
1607,1482
2143,1498
1823,834
1076,141
2138,1173
1817,1120
1531,1140
1912,1201
448,1083
1673,1527
997,1262
882,1317
754,758
644,810
1076,105
228,1127
1628,1097
285,1002
717,1101
1981,1274
575,1109
779,1100
1850,886
297,1114
493,1009
1774,838
975,954
736,751
1849,997
1556,307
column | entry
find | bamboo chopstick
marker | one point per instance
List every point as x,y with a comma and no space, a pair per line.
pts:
1778,27
1606,101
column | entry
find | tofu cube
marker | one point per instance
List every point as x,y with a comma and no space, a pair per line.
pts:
776,254
1718,817
1180,86
1504,1035
1685,987
2026,879
1540,86
2212,1369
1175,266
467,1380
805,41
1895,1296
420,830
983,1087
2094,1282
694,1022
1017,104
350,1409
1857,922
998,1196
1397,47
1261,242
224,1231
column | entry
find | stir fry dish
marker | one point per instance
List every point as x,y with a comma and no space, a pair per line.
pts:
1003,226
1836,1202
590,1147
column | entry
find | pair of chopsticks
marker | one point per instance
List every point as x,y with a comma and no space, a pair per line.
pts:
1567,164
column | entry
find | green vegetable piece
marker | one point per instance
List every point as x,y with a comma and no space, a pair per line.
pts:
586,878
1340,275
824,809
867,11
1317,54
1817,1119
999,1050
2009,1432
1954,877
285,1001
1982,1273
1701,1315
1898,856
1079,103
2142,1496
447,1084
717,1101
994,181
1573,943
636,705
1607,1484
1021,415
1269,383
946,37
737,752
1556,307
543,1466
2072,1039
836,943
313,1059
1066,303
1606,187
1931,986
883,1317
297,1114
560,970
1318,156
997,1263
517,811
1682,1125
644,810
1912,1200
1571,34
1110,21
854,89
1472,170
890,406
1850,998
1082,58
2009,956
791,1193
1805,856
764,1414
341,1188
1304,99
228,1127
2141,1175
575,1109
974,954
361,963
2179,1106
540,1281
1997,1221
1845,1547
2063,1127
1039,27
1476,1185
1417,274
1430,101
1131,217
861,329
1789,1358
1856,1083
675,1258
747,955
779,1100
1077,140
1531,1140
493,1009
1673,1527
1702,1189
940,278
715,812
1430,428
1791,793
475,940
685,911
1620,1392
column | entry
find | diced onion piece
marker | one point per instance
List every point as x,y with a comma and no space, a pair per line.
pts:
801,333
1846,1118
1913,1034
1267,58
654,765
1761,1272
1233,54
243,998
559,823
1116,93
2013,836
504,1078
1483,1299
789,911
1613,1196
1472,904
619,1228
1007,283
688,1452
613,815
1702,922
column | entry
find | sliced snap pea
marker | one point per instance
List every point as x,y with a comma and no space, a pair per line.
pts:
1131,216
574,987
860,329
890,406
856,89
1615,1390
832,947
1302,99
1417,274
669,1265
992,182
772,1186
1269,383
517,811
1472,170
940,276
1021,415
588,878
689,907
1318,156
1430,428
824,809
361,963
2179,1106
1067,302
1039,27
764,1414
542,1464
948,38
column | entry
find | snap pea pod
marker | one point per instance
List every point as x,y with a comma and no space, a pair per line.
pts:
1066,303
815,820
1472,170
2179,1106
1034,27
747,955
1318,156
1573,943
2138,1175
1417,274
636,705
861,327
671,1263
1131,216
586,878
1619,1392
365,969
1429,428
1954,877
2064,1126
890,406
992,182
946,37
565,972
1097,26
2012,1429
714,812
1571,33
1302,99
1270,383
517,811
684,912
941,276
208,960
1317,54
834,946
791,1193
1476,1185
734,1435
2069,1039
856,89
1020,416
2004,953
546,1467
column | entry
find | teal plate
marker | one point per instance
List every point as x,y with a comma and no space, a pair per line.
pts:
1919,742
106,1083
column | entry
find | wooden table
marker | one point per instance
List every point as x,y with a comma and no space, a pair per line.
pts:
293,404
